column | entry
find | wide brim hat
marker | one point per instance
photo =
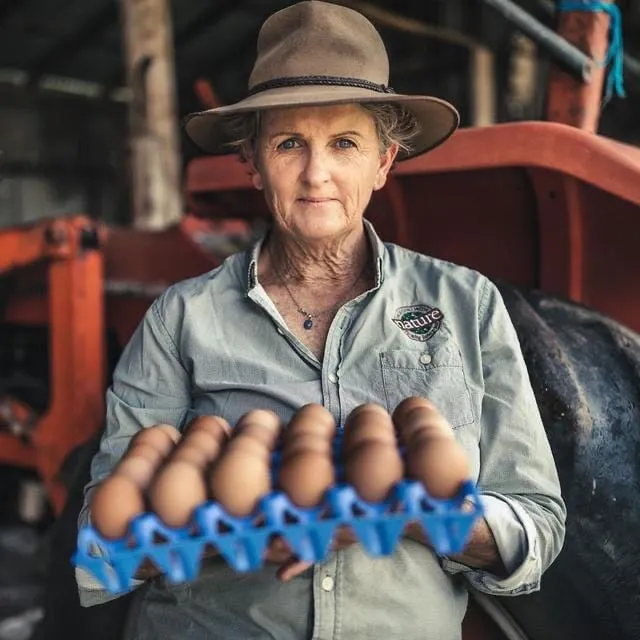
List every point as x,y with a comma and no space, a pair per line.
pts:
317,53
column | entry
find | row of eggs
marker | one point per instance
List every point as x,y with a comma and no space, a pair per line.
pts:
172,474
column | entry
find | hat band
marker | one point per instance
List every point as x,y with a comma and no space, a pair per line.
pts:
335,81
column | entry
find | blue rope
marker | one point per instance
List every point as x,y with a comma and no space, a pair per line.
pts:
615,52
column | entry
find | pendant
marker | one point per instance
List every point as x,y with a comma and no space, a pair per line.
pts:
308,324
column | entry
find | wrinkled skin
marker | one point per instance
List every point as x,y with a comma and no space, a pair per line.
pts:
585,371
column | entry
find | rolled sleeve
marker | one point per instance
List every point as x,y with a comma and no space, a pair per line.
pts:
518,477
517,541
150,386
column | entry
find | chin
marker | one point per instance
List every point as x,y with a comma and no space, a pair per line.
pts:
322,230
319,226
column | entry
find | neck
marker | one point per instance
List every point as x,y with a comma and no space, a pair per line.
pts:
322,263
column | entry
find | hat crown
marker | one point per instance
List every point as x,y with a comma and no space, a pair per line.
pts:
315,38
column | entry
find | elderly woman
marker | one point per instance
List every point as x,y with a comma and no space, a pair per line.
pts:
321,310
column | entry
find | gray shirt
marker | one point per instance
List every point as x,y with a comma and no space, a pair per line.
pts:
216,344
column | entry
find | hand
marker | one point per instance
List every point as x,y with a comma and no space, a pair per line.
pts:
414,531
146,570
293,567
278,551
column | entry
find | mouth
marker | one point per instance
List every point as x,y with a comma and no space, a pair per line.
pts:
315,200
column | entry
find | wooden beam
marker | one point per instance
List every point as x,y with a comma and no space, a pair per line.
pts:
483,87
154,141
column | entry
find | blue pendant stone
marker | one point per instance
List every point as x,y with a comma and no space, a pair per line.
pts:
308,323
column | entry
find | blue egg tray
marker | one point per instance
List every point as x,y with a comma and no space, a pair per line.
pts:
177,552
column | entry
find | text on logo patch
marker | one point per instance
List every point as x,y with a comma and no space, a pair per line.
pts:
419,321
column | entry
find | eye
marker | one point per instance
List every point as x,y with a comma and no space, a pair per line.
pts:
288,144
345,143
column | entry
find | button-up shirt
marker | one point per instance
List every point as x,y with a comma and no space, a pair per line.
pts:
216,344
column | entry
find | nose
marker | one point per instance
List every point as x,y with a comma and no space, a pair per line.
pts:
316,170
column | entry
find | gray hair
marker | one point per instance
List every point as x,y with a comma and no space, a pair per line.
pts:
394,125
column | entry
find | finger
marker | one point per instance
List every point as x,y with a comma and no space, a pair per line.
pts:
292,569
278,556
343,537
278,551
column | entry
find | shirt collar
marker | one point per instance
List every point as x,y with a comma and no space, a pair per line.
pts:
378,250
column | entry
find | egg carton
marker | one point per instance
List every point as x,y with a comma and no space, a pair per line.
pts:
241,541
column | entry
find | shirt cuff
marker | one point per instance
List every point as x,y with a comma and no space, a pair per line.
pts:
517,541
91,591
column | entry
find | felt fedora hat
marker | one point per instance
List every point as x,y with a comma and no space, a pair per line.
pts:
320,53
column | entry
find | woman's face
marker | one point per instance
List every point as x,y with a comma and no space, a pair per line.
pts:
318,167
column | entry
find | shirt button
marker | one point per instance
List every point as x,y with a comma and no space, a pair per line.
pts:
280,331
327,583
333,378
425,358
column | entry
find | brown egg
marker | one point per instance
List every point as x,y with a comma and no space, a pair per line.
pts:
193,455
176,491
421,422
239,479
367,432
368,423
409,404
144,450
201,439
170,430
156,437
373,469
248,445
258,432
215,425
114,503
313,419
138,469
268,419
304,442
364,408
261,425
440,464
306,477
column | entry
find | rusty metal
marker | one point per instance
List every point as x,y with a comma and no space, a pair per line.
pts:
563,51
74,313
16,417
570,101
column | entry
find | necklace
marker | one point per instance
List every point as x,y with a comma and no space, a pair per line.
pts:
308,316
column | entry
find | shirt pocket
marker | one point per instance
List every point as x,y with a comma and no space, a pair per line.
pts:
434,372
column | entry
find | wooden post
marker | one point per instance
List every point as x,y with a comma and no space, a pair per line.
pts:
483,87
155,152
570,101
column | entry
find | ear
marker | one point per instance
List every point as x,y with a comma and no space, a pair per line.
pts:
256,179
247,155
386,162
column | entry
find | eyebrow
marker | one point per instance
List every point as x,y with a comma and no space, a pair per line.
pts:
350,132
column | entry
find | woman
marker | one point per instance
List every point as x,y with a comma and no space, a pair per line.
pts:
320,310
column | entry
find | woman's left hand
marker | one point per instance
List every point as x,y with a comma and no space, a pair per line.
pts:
343,538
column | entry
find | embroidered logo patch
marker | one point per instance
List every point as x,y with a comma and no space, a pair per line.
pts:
419,322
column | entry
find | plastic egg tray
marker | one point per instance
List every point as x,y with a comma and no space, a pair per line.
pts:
241,541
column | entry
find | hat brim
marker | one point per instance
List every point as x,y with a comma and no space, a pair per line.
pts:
437,118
